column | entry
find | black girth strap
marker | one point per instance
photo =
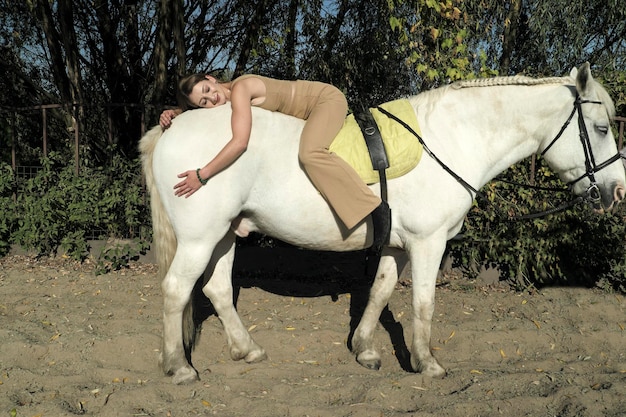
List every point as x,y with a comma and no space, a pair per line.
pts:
375,146
378,155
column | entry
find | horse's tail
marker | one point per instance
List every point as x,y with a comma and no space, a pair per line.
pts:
163,237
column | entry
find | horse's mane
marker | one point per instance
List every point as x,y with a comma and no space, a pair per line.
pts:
513,80
522,80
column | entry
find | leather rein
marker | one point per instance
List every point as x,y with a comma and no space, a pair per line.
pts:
592,193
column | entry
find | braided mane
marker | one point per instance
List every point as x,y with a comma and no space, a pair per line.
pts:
433,95
514,80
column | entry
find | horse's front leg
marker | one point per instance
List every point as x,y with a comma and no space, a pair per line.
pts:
425,259
219,290
382,288
177,286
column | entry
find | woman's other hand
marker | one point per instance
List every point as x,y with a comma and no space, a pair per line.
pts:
166,118
189,185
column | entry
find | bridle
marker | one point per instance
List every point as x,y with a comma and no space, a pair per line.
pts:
593,192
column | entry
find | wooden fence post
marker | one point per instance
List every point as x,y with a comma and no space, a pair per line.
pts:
76,140
620,139
44,127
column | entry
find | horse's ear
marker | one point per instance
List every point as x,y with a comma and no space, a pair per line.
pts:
583,78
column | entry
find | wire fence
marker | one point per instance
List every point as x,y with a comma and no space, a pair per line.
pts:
16,118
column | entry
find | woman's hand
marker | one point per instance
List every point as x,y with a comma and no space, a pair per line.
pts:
166,118
189,185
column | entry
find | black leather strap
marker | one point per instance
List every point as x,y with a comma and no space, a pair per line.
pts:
375,146
373,139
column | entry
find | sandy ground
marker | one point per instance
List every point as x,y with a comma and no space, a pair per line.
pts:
73,343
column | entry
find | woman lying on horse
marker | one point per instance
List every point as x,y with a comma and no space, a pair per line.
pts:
324,108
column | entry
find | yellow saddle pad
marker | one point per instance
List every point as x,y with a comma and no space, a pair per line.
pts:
403,149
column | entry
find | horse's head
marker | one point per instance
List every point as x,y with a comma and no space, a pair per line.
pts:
585,154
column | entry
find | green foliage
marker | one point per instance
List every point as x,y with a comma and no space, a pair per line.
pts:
118,255
596,252
59,210
575,246
615,83
433,40
7,208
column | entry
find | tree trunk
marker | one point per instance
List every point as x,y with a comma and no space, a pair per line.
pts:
161,50
251,37
70,44
332,36
178,30
111,51
511,26
55,50
290,42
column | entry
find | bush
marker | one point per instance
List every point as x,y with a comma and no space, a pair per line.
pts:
59,210
575,246
7,208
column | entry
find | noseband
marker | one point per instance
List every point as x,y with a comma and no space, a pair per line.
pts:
593,192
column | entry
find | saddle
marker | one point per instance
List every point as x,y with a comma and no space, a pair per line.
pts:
402,151
388,146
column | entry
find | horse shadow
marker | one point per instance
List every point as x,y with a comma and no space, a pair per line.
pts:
290,271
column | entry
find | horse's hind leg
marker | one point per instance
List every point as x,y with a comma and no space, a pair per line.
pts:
219,289
382,288
188,264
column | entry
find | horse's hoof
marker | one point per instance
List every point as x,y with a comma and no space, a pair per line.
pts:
185,376
253,355
256,356
369,359
430,369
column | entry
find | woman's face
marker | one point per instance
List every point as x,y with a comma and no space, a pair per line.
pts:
208,93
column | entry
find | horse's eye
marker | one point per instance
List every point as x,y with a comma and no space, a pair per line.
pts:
602,129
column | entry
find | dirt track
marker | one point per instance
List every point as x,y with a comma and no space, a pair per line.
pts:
78,344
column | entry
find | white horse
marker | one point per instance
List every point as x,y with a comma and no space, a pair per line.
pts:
476,128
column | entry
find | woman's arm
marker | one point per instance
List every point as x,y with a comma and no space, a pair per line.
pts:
241,123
